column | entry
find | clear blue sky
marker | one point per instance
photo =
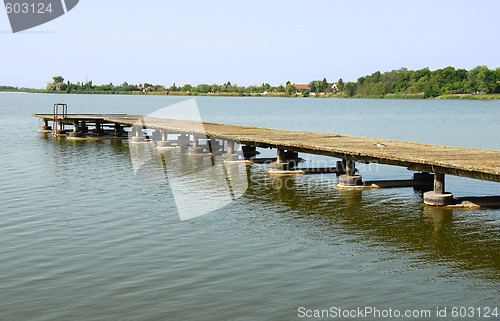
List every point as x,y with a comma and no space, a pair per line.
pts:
249,42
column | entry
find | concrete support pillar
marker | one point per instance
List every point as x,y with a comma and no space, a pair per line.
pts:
156,135
119,131
438,197
280,156
349,179
76,130
183,140
215,146
165,143
230,155
439,183
230,146
285,163
45,126
350,167
98,128
137,138
60,131
196,149
83,127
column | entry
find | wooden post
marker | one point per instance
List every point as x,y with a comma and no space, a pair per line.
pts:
214,145
281,156
98,128
439,183
183,140
230,147
231,156
350,167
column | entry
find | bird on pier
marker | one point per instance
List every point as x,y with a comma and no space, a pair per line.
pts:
382,147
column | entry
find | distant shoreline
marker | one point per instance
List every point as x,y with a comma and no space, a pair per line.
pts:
479,83
281,95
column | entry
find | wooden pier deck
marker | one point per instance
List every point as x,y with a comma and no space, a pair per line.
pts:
467,162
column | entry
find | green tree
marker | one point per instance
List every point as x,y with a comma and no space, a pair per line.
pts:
432,88
483,78
495,76
215,88
173,88
130,88
61,86
312,87
350,89
57,79
340,85
375,77
203,88
290,90
324,83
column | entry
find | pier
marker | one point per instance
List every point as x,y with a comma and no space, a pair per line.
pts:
430,162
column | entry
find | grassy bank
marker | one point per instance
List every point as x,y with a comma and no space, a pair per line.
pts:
469,96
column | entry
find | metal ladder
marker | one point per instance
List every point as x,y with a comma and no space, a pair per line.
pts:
55,119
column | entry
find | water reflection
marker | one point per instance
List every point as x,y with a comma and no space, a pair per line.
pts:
467,241
438,219
390,218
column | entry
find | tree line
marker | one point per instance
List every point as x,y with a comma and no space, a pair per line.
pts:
59,85
449,80
422,83
480,80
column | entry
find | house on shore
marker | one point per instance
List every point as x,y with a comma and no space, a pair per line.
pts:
299,87
150,88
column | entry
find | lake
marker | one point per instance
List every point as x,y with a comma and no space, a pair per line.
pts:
84,239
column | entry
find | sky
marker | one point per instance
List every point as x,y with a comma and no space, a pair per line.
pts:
248,42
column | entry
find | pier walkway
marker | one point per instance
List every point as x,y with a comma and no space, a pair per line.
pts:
466,162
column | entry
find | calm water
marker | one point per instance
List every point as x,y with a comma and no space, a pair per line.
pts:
82,239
